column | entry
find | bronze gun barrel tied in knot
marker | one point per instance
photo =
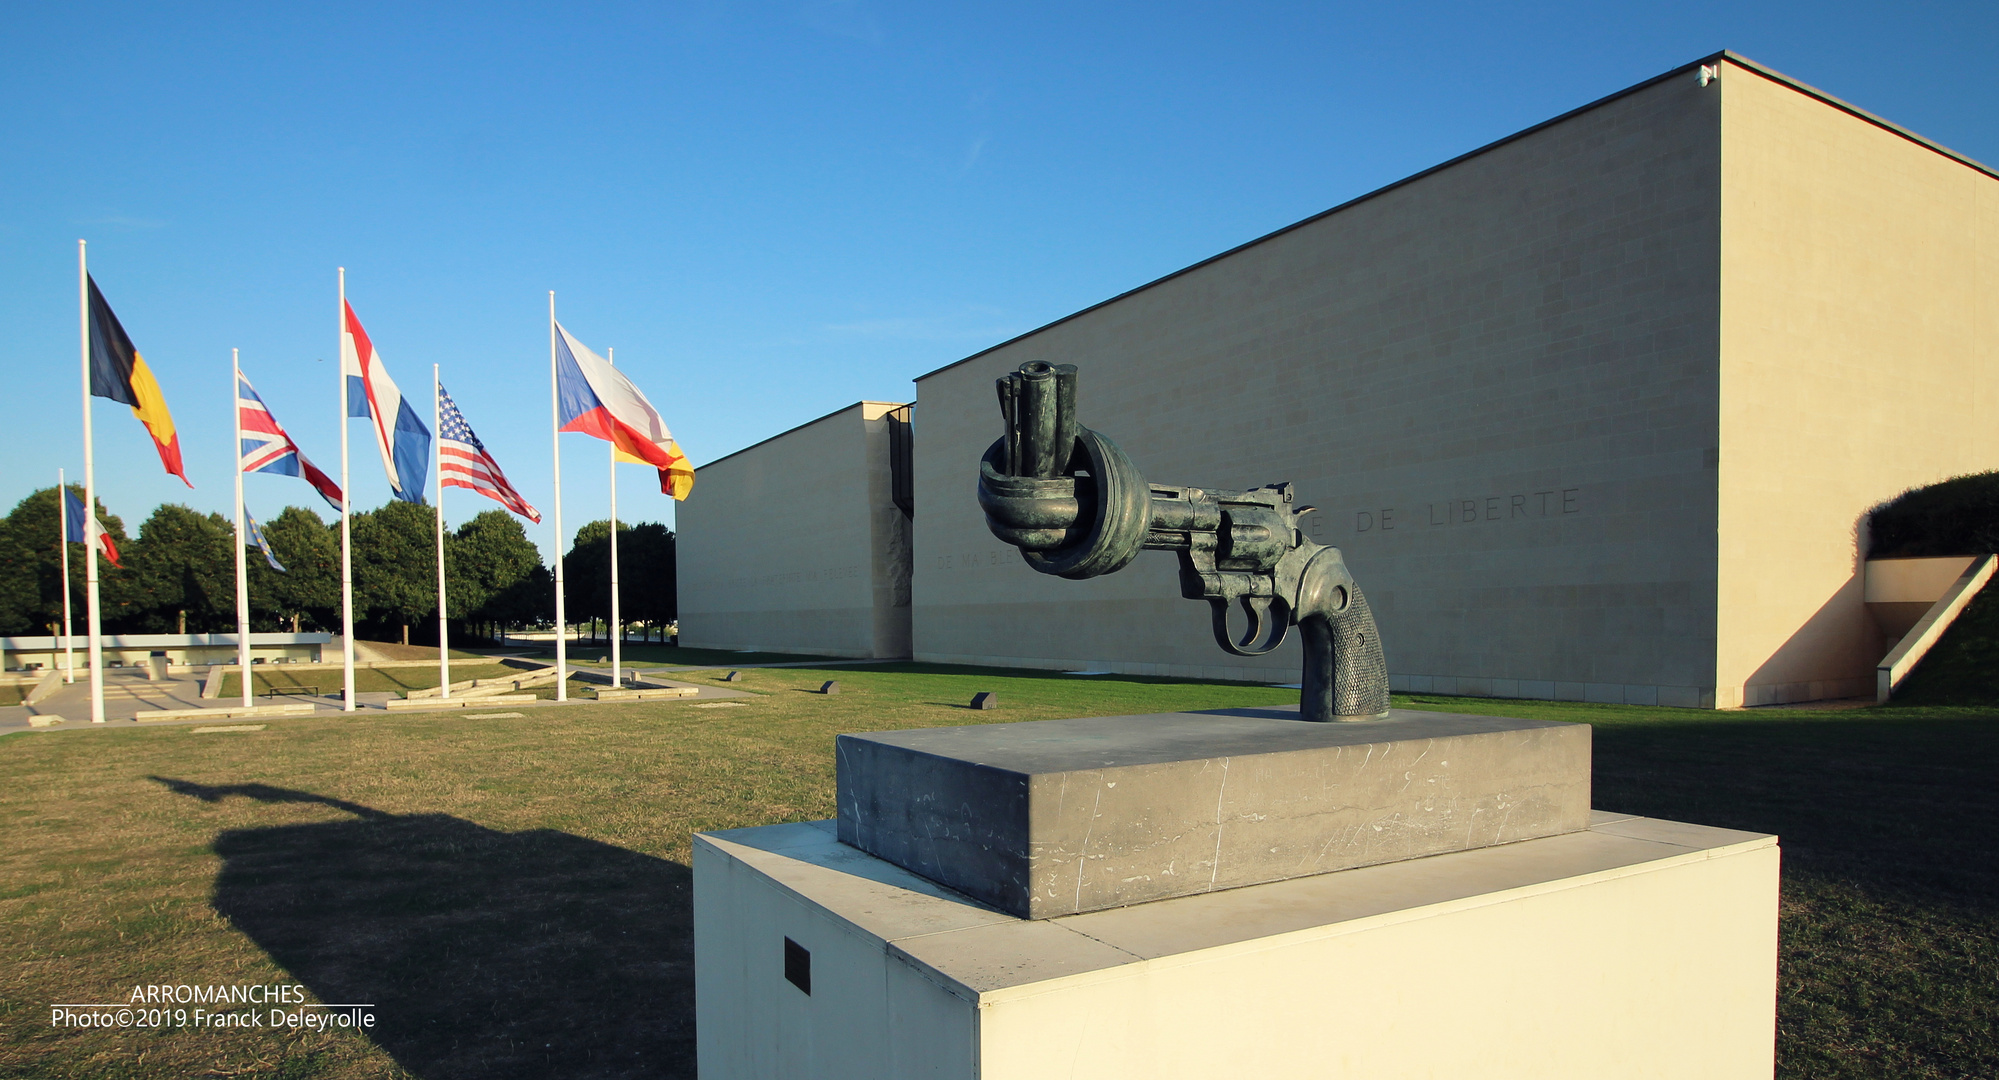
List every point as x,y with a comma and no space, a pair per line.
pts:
1076,507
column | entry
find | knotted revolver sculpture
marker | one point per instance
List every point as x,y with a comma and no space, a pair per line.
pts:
1076,507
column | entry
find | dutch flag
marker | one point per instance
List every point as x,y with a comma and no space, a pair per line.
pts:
403,439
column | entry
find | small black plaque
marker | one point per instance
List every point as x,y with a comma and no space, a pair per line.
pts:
831,687
985,699
798,966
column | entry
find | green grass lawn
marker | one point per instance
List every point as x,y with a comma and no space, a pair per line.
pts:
397,679
598,653
13,695
513,894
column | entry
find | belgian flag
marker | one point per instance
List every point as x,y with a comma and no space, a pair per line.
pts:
118,372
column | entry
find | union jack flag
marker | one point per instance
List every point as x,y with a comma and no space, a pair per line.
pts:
267,449
464,462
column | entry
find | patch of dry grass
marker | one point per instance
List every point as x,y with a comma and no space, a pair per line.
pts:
513,894
397,679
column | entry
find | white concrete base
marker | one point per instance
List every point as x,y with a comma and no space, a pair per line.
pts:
1639,948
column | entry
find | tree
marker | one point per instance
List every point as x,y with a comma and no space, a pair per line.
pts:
488,559
309,589
31,568
395,564
648,582
527,602
586,571
17,580
184,572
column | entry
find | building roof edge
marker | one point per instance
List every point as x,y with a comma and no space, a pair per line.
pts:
1740,61
1853,110
1355,201
800,427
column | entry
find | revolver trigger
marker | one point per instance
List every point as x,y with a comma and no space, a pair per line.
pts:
1257,608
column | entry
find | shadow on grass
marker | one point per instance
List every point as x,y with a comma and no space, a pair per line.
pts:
486,954
1889,955
1897,804
1888,959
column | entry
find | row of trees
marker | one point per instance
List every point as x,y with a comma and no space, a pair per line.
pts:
179,573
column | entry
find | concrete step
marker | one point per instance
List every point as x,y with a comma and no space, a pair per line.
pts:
648,693
409,704
224,714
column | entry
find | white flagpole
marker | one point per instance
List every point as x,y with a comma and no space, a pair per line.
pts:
617,627
91,608
346,509
555,436
443,629
62,509
242,570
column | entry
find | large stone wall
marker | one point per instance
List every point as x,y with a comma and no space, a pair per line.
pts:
1859,357
1498,380
1595,413
795,544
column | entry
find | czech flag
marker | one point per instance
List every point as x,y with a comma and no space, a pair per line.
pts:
118,372
403,439
81,525
596,399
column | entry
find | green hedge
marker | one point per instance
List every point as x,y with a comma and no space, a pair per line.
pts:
1959,516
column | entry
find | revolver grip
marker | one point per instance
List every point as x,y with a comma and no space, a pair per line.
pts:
1346,675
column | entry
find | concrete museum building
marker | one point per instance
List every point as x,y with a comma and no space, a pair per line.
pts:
801,542
1595,412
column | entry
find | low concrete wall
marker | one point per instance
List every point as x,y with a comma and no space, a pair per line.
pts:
182,650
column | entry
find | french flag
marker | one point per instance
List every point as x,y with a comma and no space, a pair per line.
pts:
79,524
596,399
403,439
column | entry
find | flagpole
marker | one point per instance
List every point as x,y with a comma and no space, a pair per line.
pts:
346,510
555,436
242,571
443,629
617,627
92,611
62,509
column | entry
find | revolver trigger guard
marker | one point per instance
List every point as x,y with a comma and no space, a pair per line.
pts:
1258,610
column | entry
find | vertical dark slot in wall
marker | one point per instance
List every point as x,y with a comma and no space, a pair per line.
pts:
901,483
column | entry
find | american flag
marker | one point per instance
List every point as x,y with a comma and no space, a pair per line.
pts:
463,460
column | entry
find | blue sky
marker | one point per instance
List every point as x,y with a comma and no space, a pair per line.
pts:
769,210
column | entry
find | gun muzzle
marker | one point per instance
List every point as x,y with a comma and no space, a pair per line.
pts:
1039,404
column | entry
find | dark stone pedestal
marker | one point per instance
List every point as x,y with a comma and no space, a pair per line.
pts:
1056,817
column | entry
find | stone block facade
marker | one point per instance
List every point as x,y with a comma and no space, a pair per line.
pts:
797,544
1594,412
